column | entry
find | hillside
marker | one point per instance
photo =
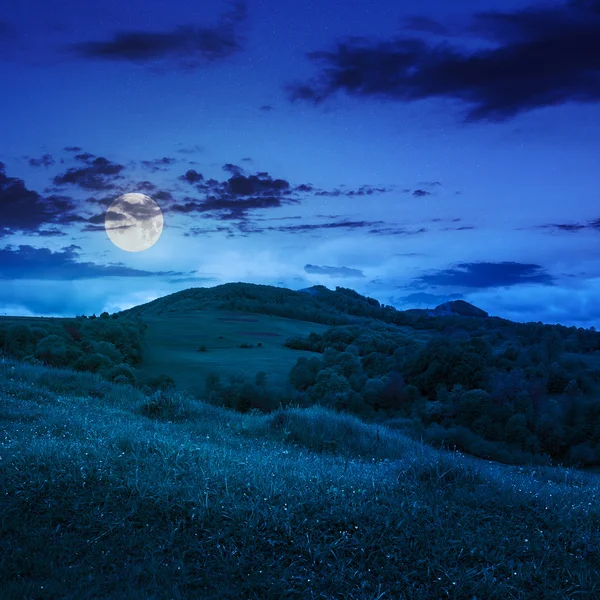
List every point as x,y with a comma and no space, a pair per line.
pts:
459,307
111,494
516,393
319,305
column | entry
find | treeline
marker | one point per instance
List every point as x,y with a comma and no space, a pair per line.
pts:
109,346
518,404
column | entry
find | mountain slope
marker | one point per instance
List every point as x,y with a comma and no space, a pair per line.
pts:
458,307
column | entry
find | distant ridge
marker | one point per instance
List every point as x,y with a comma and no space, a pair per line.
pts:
458,307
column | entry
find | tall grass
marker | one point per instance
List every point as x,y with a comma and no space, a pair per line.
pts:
107,493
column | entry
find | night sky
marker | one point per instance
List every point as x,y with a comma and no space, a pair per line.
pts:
414,152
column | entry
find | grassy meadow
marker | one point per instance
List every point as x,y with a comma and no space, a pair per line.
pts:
173,339
106,493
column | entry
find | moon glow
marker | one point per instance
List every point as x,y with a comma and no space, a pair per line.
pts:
134,222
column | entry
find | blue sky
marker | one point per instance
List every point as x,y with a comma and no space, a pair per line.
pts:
415,153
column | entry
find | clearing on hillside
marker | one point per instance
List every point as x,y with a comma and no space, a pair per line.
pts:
173,340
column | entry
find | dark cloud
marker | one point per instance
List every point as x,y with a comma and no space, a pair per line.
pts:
317,226
421,193
304,187
159,164
233,169
44,161
233,198
188,46
594,224
487,275
72,149
267,108
396,231
333,271
247,159
239,185
544,56
27,262
192,176
26,211
98,174
84,156
364,190
461,228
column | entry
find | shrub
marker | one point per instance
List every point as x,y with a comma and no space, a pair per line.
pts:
202,348
165,405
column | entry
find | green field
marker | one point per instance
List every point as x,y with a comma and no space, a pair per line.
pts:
173,341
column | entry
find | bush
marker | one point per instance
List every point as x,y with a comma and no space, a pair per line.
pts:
202,348
166,405
122,373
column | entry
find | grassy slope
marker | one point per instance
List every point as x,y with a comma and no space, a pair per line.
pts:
172,342
100,501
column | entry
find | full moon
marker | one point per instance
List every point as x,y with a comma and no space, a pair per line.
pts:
133,222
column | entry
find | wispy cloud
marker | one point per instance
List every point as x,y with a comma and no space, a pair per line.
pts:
187,46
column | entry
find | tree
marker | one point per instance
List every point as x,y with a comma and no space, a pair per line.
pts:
329,383
304,373
516,430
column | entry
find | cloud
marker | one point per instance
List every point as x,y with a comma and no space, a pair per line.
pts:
233,198
27,262
44,161
573,227
187,46
421,193
364,190
26,211
487,275
332,225
396,231
333,271
233,169
190,149
72,149
98,174
543,56
192,176
267,108
159,164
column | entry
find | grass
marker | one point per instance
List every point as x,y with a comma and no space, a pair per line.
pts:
103,498
173,340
